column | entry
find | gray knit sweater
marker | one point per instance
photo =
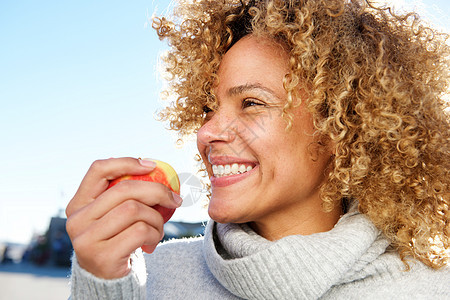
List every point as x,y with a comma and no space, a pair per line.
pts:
351,261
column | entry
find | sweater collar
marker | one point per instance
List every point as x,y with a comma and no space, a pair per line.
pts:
294,267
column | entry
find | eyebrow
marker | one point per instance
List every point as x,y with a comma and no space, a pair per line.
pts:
237,90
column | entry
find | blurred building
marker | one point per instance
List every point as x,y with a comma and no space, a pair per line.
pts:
11,252
55,247
60,249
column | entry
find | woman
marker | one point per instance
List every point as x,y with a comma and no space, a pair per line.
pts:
323,128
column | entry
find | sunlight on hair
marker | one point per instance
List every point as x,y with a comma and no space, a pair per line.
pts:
429,13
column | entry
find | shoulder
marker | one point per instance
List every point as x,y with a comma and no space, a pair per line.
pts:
418,278
185,247
421,280
181,263
389,277
185,253
173,259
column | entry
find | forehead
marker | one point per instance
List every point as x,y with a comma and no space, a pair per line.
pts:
252,50
253,62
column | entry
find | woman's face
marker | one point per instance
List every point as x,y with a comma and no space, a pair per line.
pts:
260,172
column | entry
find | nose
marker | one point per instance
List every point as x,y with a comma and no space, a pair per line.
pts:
221,128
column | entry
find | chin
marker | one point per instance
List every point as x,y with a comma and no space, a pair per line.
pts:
218,216
222,213
227,216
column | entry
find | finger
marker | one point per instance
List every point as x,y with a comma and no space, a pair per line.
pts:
100,258
100,173
124,216
148,248
147,193
132,238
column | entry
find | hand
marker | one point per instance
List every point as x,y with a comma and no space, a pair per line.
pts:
107,225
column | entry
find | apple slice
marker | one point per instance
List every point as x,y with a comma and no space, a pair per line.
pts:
163,173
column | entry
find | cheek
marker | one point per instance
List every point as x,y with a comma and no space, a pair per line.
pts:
264,128
287,150
271,138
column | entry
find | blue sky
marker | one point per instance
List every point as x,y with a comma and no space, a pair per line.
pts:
78,82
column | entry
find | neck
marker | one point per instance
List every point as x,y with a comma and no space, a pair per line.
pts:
308,221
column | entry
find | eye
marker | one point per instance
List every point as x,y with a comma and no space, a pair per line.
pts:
247,102
206,109
207,113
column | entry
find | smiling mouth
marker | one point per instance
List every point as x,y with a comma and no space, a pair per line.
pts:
230,169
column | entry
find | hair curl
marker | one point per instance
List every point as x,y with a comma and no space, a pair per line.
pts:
377,84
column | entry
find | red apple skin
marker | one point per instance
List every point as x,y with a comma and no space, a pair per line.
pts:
163,173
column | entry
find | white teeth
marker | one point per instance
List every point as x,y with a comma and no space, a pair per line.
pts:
227,170
234,168
220,170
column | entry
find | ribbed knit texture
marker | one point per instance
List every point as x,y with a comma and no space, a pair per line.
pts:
314,262
86,286
351,261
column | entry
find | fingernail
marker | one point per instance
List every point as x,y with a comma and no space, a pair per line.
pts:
178,200
147,162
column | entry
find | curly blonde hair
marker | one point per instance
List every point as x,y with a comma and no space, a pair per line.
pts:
377,83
